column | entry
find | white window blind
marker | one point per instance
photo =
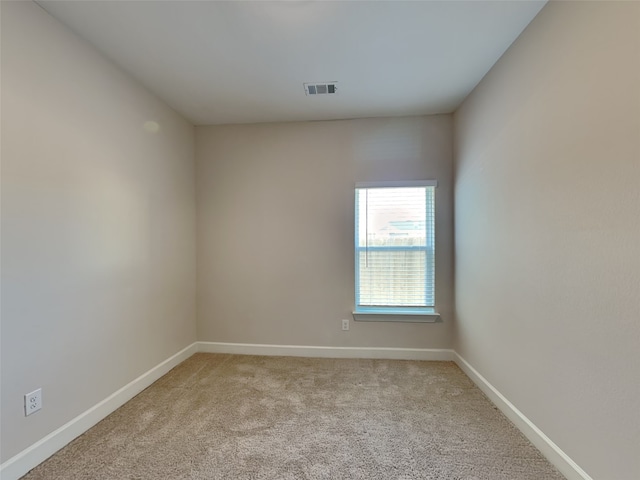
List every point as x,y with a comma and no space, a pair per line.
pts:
394,247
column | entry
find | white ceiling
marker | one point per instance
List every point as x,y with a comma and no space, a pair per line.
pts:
240,62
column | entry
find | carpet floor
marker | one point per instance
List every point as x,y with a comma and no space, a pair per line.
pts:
247,417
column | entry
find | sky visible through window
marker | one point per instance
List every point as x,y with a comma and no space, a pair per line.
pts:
391,212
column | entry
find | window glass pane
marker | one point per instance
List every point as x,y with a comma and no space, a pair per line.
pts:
394,278
394,247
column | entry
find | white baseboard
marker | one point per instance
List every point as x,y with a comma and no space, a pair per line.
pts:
550,450
29,458
437,354
32,456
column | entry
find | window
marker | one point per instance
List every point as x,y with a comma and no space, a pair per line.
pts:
394,250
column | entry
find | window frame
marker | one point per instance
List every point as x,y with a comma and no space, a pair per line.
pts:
391,313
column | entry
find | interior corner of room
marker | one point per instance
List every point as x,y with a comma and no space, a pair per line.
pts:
134,235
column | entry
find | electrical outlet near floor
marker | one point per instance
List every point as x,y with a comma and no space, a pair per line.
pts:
345,324
32,402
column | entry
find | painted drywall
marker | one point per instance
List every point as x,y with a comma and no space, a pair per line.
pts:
98,227
275,227
547,223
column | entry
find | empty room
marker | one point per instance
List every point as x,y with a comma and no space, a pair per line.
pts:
320,240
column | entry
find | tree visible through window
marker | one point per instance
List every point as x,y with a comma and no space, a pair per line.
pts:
394,247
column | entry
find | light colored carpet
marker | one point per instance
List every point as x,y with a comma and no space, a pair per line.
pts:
248,417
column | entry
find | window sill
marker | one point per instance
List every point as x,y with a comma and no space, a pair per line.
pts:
429,316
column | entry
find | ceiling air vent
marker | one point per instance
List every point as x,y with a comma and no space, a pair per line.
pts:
325,88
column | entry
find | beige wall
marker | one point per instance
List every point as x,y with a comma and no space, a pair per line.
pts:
98,222
275,227
548,230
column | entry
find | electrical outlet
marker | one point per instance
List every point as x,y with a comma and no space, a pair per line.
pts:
32,402
345,324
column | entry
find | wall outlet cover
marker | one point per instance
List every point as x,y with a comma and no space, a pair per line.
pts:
32,402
